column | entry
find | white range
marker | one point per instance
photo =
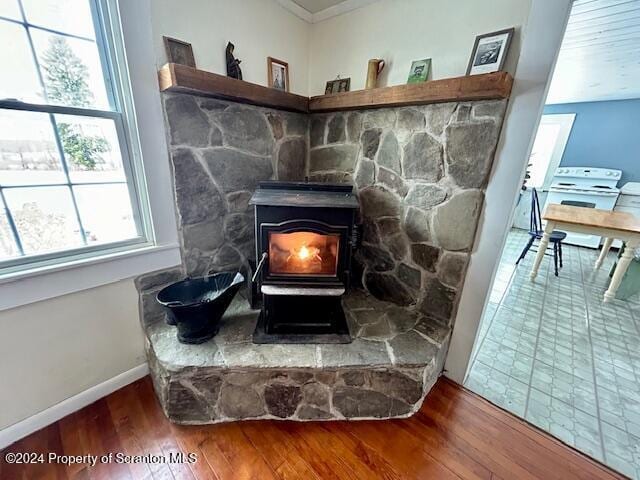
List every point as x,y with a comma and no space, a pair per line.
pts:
628,201
584,187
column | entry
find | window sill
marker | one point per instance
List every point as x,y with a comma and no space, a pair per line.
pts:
34,285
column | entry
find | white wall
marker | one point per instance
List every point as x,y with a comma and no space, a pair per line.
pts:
54,349
397,30
258,29
400,31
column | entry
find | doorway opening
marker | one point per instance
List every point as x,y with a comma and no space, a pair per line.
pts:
552,351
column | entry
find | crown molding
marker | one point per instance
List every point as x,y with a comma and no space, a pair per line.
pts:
340,9
336,10
297,10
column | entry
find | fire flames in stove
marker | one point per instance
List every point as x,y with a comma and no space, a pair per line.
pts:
305,253
305,259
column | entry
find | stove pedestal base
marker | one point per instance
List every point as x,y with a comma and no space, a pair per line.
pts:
302,319
340,335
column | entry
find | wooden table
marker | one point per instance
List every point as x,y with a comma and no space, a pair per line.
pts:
611,225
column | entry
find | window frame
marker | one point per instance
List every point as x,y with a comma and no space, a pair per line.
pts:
110,48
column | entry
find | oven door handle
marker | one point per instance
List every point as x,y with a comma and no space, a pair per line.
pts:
259,267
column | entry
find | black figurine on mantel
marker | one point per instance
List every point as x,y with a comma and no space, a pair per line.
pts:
233,64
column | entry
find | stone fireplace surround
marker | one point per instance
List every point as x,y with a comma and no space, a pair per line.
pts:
420,174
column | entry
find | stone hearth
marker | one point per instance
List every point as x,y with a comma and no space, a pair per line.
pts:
385,372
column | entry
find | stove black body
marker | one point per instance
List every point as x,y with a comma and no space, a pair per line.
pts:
305,238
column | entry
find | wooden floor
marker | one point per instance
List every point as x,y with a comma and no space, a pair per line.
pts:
455,435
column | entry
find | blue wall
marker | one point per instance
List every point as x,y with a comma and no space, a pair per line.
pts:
605,135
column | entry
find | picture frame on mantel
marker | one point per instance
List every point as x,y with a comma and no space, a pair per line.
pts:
419,71
278,74
179,52
490,52
337,86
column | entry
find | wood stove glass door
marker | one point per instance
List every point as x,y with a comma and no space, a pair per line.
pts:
304,253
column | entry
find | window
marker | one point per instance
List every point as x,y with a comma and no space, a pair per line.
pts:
68,182
548,148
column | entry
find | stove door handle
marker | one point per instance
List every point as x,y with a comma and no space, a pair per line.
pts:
259,267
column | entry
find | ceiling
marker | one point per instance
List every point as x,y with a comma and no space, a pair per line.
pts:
315,6
314,11
600,54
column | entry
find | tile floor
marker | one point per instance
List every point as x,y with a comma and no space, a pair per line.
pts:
553,353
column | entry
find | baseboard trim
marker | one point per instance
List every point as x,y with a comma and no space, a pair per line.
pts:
60,410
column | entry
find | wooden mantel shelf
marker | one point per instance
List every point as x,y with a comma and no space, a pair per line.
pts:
174,77
489,86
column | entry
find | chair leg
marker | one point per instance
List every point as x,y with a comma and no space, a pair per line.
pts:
555,257
526,249
560,253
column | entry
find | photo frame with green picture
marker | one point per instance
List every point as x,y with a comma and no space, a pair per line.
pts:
419,71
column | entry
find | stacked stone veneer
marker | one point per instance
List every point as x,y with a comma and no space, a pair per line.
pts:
420,174
219,153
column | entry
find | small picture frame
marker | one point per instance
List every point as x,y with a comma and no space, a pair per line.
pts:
337,86
278,74
419,71
179,52
490,52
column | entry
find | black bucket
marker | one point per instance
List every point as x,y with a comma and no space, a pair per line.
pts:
196,305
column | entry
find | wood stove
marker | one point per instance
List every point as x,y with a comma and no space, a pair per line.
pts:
305,237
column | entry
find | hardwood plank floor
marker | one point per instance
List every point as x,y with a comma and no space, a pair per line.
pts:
456,435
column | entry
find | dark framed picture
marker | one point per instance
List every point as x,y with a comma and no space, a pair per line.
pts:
490,51
278,74
337,86
419,71
179,52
